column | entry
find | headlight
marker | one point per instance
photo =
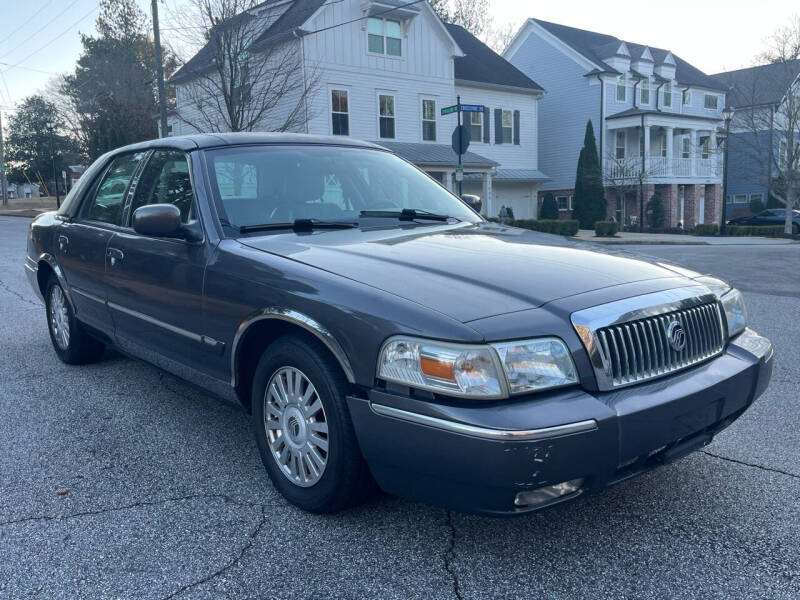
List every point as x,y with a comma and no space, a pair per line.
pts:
732,302
491,371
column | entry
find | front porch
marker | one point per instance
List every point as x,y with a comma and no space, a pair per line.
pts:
685,205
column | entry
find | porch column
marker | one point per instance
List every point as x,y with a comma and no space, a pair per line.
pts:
693,152
646,149
668,131
448,181
488,196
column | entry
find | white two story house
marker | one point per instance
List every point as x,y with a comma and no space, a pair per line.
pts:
382,71
656,118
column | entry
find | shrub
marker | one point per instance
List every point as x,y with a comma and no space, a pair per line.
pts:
559,227
655,212
589,200
756,206
605,228
706,229
761,230
549,207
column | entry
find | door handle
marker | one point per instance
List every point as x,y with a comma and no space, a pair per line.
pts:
63,243
114,255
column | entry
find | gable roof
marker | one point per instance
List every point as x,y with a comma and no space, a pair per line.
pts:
761,85
481,64
284,27
595,47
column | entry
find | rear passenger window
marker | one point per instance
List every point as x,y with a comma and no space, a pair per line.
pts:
165,180
108,198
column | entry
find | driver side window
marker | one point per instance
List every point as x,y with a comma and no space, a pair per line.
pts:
165,180
108,198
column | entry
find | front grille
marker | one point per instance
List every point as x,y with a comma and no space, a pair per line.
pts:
640,349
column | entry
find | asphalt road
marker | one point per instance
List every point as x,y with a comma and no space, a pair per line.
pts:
168,498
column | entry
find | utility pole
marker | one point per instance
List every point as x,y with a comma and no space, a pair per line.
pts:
3,181
53,162
162,94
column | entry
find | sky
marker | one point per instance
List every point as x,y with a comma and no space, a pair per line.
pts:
41,38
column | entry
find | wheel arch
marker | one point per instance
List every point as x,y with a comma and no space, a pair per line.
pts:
256,333
46,268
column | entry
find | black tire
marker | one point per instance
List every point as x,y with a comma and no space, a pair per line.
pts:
81,348
345,480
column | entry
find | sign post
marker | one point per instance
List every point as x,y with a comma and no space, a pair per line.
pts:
461,135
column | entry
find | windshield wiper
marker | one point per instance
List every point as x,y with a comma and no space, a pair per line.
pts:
407,214
299,225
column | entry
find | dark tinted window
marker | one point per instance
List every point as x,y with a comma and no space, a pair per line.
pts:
108,197
165,180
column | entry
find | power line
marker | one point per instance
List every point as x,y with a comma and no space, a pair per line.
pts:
26,21
377,14
52,40
10,66
8,93
38,31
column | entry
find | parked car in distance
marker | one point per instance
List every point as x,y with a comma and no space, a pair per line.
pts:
771,216
378,330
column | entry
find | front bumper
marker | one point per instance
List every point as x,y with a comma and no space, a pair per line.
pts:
478,457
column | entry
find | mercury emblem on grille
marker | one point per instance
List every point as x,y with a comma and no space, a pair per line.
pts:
676,336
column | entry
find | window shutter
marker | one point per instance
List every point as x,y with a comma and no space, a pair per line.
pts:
516,127
498,126
486,133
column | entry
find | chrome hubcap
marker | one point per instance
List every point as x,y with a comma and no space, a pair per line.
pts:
59,317
296,426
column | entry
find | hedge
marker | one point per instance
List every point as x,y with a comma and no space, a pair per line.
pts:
606,228
706,229
762,230
557,226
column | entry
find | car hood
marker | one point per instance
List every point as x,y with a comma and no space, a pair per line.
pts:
467,271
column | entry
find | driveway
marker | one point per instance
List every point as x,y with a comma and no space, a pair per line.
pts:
167,497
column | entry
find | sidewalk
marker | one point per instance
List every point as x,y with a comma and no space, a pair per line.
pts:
28,207
630,237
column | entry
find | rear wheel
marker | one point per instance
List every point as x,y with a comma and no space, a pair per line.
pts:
303,427
72,343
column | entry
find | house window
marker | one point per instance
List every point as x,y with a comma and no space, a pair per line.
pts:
756,197
645,93
429,120
686,150
564,202
621,89
686,98
667,94
384,36
340,115
710,101
386,108
706,148
740,199
476,126
508,126
664,146
620,152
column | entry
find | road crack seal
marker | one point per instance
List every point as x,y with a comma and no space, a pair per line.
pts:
753,465
249,544
450,555
16,294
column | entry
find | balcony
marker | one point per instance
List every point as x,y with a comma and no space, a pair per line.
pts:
658,167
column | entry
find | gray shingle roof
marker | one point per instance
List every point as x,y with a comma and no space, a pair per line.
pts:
755,86
483,65
597,46
435,155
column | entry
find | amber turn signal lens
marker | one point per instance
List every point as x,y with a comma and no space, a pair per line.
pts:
436,368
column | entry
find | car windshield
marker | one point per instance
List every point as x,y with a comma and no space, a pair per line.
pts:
261,185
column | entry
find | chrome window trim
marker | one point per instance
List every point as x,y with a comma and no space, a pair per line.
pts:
484,432
588,321
296,318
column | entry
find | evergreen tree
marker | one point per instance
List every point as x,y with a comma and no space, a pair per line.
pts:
549,207
589,201
655,212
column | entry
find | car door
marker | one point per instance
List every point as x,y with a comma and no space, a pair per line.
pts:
155,283
82,241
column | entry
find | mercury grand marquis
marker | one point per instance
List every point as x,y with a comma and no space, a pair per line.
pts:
379,331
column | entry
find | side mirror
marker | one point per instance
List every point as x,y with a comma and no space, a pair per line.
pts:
163,220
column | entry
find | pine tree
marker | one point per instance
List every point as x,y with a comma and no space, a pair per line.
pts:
589,201
655,212
549,207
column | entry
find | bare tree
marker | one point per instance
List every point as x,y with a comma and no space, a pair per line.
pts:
239,81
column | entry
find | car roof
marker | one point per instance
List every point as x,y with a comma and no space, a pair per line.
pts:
187,143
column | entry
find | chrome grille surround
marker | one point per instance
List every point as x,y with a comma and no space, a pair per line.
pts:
627,340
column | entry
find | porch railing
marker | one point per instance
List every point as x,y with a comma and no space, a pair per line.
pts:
659,166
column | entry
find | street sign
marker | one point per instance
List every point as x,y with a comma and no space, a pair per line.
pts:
461,138
471,108
450,109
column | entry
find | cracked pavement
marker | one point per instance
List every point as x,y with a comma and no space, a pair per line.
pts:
168,498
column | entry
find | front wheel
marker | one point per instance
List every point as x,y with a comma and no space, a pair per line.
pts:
303,427
72,343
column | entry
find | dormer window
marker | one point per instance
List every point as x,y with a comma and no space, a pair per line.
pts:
384,36
622,89
645,93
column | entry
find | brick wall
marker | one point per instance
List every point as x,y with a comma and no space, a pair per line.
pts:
713,203
690,199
